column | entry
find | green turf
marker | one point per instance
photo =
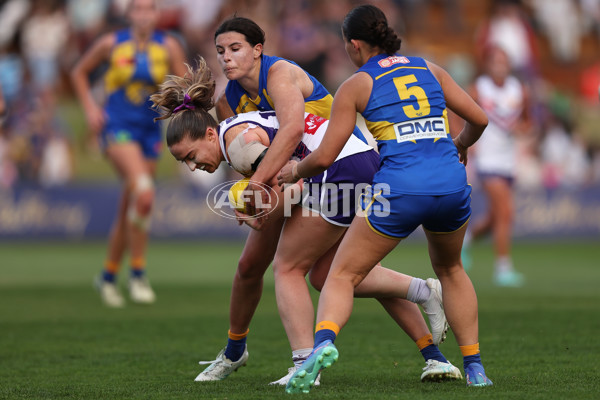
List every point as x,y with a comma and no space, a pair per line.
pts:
57,341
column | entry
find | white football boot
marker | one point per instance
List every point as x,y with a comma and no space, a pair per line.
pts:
140,291
221,367
434,309
436,371
109,293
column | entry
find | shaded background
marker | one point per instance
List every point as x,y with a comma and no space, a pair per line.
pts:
54,182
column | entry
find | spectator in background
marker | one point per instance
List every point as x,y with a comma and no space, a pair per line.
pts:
50,149
508,27
44,37
8,171
301,38
563,152
140,57
87,19
336,65
12,71
2,107
12,14
562,25
198,21
504,100
590,15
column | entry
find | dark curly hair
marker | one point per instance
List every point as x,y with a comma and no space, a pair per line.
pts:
369,23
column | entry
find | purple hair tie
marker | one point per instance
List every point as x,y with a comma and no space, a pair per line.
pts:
187,103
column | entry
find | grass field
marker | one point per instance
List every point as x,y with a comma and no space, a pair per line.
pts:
58,342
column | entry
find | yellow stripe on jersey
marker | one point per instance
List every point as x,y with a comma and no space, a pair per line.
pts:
246,105
158,58
121,67
381,130
396,69
445,116
321,107
267,98
446,124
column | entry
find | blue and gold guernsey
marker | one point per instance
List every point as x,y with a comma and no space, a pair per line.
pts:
318,103
132,76
406,114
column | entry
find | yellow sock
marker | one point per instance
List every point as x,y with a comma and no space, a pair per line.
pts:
469,350
111,267
138,263
332,326
237,336
425,341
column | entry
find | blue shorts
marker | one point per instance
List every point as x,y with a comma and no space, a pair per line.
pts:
148,137
334,194
397,215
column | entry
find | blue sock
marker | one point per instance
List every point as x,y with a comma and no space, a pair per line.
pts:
137,272
432,352
235,349
475,358
323,335
108,276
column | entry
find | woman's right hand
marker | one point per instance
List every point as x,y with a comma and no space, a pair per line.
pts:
96,118
255,223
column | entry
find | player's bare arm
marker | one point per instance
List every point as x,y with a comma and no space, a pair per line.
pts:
98,53
285,86
222,107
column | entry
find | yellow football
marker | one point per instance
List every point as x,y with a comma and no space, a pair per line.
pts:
235,195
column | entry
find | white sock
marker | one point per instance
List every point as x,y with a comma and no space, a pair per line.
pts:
418,291
300,355
503,264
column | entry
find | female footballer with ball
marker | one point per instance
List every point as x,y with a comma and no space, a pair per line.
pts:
299,244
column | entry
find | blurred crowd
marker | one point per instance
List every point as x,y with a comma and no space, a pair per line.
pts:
40,41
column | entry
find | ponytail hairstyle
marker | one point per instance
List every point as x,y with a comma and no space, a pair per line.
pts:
187,100
250,29
368,23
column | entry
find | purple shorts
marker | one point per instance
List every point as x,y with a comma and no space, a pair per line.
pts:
485,176
334,194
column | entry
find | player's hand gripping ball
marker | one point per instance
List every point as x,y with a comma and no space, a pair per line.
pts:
235,195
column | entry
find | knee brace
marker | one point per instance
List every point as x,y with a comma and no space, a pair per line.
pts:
141,184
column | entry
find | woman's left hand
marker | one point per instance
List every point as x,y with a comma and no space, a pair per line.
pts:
462,151
286,175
